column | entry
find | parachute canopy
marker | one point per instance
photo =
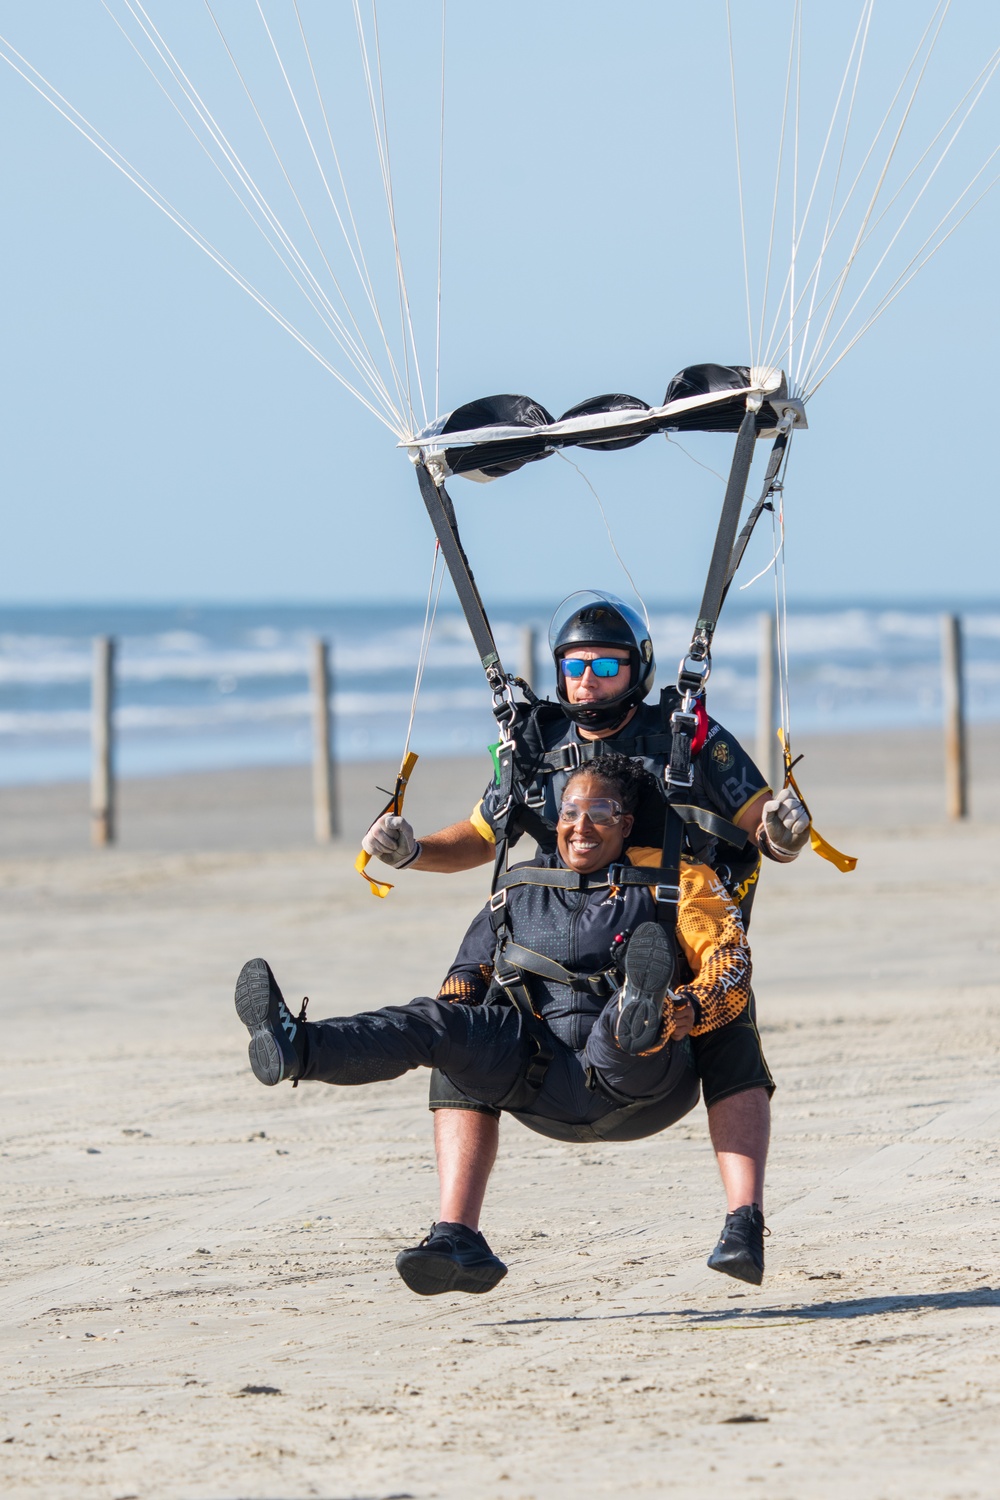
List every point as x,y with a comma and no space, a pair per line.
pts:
497,435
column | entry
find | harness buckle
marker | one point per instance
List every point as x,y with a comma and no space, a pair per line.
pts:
573,759
498,900
667,895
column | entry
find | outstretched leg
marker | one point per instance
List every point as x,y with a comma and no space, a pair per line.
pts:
482,1047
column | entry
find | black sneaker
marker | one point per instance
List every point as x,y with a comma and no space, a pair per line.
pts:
277,1038
740,1251
451,1258
649,968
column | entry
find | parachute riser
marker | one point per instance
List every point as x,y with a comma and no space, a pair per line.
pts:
696,666
501,684
441,511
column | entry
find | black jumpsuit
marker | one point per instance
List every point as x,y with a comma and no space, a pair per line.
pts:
483,1043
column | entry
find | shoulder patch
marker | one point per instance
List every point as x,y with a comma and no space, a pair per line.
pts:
722,755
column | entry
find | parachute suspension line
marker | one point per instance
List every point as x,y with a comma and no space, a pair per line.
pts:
607,527
861,34
92,135
756,351
437,319
985,73
904,279
681,448
739,175
354,246
358,350
841,280
392,212
778,335
361,362
940,224
774,488
379,126
375,385
796,28
781,617
326,185
430,615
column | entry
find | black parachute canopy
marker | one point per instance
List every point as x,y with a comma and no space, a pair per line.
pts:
497,435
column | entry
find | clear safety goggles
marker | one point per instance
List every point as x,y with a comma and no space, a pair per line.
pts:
601,666
603,812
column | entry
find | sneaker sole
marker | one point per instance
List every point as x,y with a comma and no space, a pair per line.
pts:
253,1002
649,966
430,1274
742,1268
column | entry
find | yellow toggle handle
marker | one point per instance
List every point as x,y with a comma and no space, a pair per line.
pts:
382,888
844,862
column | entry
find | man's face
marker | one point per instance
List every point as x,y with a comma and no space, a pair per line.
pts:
591,689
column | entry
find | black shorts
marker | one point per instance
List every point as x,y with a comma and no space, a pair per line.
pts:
729,1061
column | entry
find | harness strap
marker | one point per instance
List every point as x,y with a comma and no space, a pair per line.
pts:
667,892
517,957
572,880
710,822
575,753
527,1088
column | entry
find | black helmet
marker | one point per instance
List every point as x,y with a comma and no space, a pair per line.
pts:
590,619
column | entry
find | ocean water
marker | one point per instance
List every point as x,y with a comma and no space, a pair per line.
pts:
221,686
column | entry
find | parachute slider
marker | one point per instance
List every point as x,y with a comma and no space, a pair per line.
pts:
496,435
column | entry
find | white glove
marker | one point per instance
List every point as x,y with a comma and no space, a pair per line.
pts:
786,822
390,839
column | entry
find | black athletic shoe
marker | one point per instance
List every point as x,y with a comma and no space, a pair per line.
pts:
649,968
451,1258
740,1251
276,1037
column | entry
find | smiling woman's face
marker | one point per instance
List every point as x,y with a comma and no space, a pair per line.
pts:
583,844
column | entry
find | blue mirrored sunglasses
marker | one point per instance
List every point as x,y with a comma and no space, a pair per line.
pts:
602,666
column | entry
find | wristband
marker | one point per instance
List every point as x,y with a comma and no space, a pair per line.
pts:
410,858
772,850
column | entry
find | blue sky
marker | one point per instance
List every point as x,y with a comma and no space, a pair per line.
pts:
163,439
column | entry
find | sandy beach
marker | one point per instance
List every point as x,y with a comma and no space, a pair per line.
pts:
199,1300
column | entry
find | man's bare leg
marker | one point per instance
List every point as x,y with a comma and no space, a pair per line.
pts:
740,1128
454,1257
466,1144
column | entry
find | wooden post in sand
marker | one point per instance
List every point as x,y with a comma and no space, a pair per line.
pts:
529,656
955,761
102,757
326,824
766,753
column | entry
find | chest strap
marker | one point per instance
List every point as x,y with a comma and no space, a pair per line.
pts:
576,753
526,960
573,880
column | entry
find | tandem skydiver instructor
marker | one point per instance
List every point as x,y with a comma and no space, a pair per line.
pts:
605,668
563,1004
